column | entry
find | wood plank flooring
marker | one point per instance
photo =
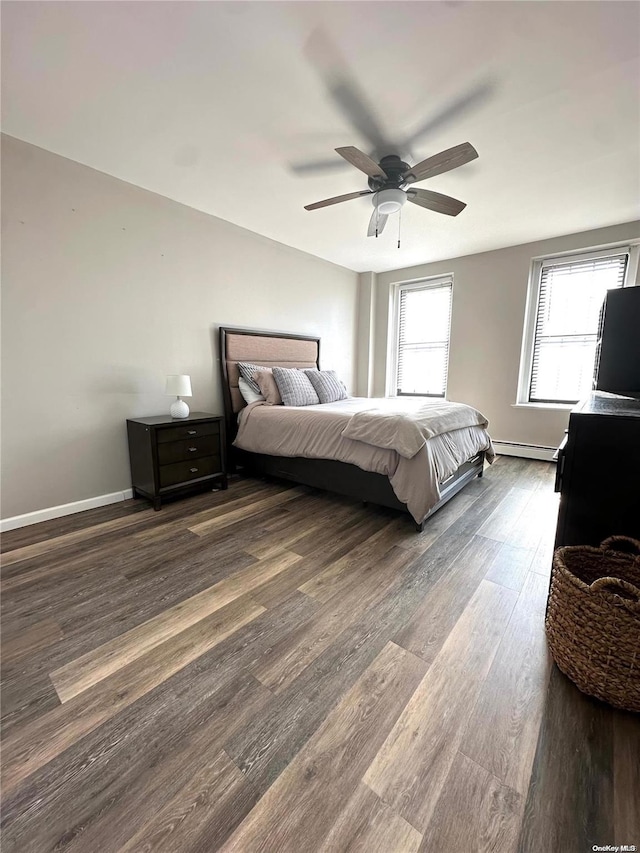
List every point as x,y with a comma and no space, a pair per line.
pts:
275,669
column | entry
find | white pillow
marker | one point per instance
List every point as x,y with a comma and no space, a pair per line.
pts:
248,394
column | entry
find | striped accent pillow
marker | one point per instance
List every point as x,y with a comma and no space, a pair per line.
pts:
327,385
247,370
294,387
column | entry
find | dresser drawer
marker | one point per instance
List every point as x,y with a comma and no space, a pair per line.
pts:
193,448
190,430
182,472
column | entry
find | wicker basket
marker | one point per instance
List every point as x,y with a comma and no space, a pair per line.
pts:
593,619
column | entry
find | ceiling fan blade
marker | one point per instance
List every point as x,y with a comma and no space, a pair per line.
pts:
436,201
336,200
314,167
361,161
345,91
442,162
377,223
472,97
356,110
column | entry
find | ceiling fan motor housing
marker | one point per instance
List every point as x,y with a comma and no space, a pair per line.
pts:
394,168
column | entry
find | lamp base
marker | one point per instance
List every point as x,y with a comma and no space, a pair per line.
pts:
179,409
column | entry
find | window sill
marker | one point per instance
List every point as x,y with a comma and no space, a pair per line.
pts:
557,406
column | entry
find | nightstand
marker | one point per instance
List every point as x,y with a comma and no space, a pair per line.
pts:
171,456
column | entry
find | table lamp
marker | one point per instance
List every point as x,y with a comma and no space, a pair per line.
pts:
179,386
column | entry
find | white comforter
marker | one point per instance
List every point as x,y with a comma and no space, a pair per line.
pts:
318,432
405,424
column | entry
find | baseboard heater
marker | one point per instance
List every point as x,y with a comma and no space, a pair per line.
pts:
525,451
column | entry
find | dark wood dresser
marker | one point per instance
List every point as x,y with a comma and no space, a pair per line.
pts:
598,474
170,456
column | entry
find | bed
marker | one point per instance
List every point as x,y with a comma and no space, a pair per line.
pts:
270,440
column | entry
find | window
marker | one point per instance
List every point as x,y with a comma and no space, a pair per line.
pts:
421,356
559,347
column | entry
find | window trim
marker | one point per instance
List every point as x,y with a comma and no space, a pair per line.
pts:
531,309
395,289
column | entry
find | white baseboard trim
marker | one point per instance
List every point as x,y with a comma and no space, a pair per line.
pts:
524,451
63,509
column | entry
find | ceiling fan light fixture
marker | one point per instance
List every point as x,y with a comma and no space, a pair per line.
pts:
389,201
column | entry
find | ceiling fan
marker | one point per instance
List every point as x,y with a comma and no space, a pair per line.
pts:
390,183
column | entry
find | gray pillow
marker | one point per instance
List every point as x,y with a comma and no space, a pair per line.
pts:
247,370
327,385
294,387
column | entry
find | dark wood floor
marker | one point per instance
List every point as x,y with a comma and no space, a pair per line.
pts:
276,669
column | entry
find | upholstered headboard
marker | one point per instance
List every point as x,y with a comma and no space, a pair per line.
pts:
258,346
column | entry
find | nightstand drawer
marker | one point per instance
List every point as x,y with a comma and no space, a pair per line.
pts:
182,472
190,430
193,448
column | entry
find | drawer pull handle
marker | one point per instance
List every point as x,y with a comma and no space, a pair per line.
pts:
192,432
193,470
192,449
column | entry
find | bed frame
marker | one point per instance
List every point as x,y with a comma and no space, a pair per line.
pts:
270,348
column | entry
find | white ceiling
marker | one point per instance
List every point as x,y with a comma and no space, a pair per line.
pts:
210,104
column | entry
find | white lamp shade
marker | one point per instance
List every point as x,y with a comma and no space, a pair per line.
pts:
389,201
179,386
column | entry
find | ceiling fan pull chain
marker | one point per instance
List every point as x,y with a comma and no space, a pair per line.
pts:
377,220
399,224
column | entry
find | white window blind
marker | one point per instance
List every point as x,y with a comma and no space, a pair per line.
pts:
570,298
424,318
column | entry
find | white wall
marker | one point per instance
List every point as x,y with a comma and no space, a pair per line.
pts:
366,337
489,297
106,289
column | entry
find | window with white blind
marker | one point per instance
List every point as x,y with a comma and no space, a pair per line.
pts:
561,330
423,318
